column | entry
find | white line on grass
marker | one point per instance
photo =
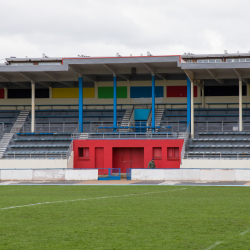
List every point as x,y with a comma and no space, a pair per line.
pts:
105,197
247,231
214,245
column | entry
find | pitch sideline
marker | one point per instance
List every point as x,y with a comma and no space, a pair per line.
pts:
104,197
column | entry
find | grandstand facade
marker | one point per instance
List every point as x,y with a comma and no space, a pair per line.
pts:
120,112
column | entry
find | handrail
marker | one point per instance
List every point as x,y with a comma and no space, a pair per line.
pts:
134,135
23,106
50,127
186,137
34,155
217,155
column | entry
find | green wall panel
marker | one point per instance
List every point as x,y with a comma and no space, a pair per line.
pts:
107,92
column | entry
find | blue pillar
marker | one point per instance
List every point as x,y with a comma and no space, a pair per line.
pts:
188,102
114,103
80,105
153,103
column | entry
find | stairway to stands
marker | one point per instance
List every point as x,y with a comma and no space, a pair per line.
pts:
6,138
38,145
20,121
218,144
158,118
125,120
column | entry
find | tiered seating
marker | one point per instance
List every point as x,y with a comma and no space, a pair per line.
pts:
42,143
38,143
203,115
62,115
212,144
8,118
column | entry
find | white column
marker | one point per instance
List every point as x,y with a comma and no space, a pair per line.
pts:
192,109
32,107
203,97
5,93
240,104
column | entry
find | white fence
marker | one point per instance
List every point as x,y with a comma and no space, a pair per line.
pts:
191,174
48,174
49,127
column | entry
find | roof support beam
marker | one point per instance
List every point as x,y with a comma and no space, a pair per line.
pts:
110,68
126,77
27,76
54,77
46,84
26,86
246,81
190,75
162,76
211,73
151,69
5,78
80,73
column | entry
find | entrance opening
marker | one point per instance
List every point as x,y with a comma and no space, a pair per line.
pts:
125,158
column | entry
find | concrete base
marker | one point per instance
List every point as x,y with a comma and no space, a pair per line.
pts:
191,174
205,163
33,164
48,174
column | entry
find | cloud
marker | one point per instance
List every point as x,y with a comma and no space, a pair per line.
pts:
103,28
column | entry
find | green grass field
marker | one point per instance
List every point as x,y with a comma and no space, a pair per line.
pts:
136,217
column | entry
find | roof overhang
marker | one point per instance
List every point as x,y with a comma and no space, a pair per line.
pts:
89,68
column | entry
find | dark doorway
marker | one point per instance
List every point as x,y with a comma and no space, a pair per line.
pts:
125,158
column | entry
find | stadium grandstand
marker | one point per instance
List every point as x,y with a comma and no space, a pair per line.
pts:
120,112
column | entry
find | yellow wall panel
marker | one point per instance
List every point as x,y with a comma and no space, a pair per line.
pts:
72,93
88,92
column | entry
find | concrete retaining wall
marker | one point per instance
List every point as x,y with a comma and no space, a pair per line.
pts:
205,163
191,174
30,163
48,174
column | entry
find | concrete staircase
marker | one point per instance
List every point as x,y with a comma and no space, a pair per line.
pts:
158,118
20,121
83,136
4,142
126,120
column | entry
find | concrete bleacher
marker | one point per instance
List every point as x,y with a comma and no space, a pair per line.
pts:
212,144
24,144
7,119
62,115
45,140
220,114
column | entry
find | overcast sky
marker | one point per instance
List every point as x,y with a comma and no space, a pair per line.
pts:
67,28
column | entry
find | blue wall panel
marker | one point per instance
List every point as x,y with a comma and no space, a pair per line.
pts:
141,114
145,92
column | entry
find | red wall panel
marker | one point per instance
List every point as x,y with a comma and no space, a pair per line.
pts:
139,152
1,93
99,157
179,91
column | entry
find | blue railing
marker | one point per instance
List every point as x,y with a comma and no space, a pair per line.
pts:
109,174
128,173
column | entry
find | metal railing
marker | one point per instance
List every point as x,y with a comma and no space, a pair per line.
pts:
35,156
94,126
70,149
184,147
217,156
223,126
49,127
130,135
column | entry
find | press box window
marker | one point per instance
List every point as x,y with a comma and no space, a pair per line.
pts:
83,152
157,153
173,153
